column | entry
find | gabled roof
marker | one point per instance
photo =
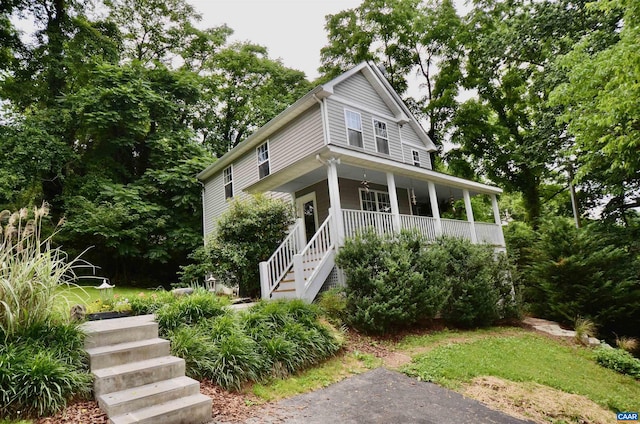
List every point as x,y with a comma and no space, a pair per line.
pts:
371,73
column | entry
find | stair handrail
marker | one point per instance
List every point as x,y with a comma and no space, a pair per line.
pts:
273,270
323,242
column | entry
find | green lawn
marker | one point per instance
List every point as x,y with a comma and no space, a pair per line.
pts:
86,295
522,358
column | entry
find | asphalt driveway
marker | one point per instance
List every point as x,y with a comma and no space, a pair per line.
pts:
382,396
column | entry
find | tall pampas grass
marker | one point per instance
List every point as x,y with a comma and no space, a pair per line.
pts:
31,270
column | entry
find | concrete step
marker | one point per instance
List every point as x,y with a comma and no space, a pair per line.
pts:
119,330
289,294
122,353
134,374
119,403
194,409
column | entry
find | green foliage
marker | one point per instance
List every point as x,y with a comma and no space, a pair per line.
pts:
333,304
31,271
393,283
590,272
245,235
41,368
618,360
229,348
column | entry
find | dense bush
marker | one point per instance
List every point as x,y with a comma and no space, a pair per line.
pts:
333,304
593,272
247,234
618,360
41,368
396,282
270,339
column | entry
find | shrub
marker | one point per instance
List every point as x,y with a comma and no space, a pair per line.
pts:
591,272
333,304
188,310
397,282
247,234
618,360
41,368
385,287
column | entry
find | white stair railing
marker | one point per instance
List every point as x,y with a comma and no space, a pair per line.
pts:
273,270
308,265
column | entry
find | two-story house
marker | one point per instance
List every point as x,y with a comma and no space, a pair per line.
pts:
349,155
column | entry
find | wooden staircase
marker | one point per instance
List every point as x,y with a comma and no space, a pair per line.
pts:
136,380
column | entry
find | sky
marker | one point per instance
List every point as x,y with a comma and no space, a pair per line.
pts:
292,30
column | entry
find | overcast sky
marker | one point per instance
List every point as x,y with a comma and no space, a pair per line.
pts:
292,30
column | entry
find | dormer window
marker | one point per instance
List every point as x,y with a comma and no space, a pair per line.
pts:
382,139
228,182
354,128
263,160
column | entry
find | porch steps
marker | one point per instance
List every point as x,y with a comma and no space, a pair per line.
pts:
136,380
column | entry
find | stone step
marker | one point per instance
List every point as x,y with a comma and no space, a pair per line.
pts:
134,374
119,330
122,353
194,409
119,403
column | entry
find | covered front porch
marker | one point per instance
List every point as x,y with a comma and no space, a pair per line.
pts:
340,193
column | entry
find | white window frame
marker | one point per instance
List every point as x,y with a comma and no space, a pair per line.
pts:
263,161
227,180
377,194
379,137
348,128
415,157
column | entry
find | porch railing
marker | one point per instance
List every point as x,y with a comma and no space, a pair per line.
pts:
277,266
358,221
382,223
424,224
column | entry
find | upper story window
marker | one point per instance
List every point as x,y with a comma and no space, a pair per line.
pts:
354,128
228,182
375,201
263,160
382,139
415,155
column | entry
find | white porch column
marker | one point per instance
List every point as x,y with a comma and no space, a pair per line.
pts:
469,210
334,198
433,199
496,217
393,197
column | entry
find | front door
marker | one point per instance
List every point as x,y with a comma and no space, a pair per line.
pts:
307,210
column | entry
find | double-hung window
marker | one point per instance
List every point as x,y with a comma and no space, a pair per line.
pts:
228,182
415,155
382,139
263,160
354,128
375,201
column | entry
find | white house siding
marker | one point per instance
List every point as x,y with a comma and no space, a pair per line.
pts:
299,138
410,140
338,130
357,87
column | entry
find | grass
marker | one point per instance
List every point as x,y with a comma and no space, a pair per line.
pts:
85,295
328,372
527,357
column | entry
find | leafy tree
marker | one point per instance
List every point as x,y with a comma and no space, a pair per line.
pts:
245,235
244,89
600,103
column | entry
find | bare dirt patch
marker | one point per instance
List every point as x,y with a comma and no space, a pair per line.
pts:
535,402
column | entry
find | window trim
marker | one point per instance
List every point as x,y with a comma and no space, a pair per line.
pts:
267,161
415,153
347,128
376,136
226,183
376,192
